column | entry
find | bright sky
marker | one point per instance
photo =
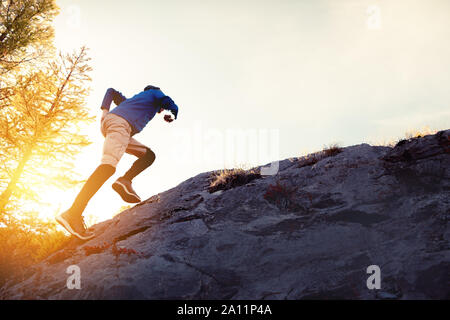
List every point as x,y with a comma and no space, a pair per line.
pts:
297,75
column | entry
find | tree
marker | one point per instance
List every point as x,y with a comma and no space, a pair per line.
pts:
39,131
26,36
41,110
25,31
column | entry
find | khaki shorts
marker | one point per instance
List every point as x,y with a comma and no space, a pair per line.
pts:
118,140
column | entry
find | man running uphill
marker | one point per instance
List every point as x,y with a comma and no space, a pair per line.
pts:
118,127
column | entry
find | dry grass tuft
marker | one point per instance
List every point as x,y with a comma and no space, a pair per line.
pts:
311,159
415,134
332,150
419,133
409,134
231,178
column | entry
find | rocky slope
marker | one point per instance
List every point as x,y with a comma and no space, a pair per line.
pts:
309,232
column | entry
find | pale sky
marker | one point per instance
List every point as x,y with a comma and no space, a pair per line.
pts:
297,74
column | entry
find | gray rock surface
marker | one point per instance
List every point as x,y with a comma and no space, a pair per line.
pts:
312,239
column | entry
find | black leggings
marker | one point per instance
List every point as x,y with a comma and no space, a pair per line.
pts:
103,173
140,164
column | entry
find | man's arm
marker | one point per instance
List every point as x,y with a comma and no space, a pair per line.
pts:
110,96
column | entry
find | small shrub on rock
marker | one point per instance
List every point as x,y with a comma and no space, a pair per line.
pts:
231,178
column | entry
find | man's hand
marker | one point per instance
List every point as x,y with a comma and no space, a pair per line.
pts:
168,118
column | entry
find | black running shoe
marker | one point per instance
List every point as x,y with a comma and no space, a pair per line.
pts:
74,225
123,187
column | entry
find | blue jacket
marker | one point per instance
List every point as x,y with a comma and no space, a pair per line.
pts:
139,109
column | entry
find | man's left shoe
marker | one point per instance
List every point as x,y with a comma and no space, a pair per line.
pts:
74,224
123,187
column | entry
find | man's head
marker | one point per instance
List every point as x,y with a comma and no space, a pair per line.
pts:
149,87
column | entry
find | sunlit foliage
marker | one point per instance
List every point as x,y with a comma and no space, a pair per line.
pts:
42,111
